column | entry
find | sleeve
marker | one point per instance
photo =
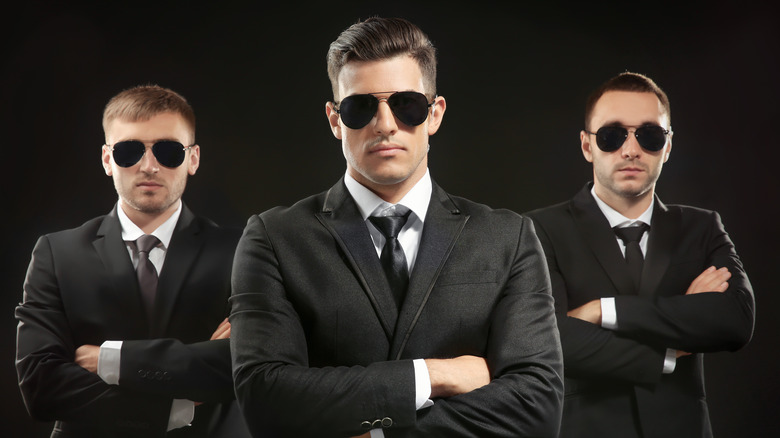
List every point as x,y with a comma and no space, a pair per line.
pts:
593,352
280,394
525,395
53,386
698,323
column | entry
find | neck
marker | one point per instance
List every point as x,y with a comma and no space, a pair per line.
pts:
629,206
148,222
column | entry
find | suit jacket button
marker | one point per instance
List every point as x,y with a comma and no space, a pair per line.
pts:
376,424
387,422
166,376
365,425
158,375
141,373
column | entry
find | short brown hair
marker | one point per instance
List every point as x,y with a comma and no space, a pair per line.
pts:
627,81
143,102
378,39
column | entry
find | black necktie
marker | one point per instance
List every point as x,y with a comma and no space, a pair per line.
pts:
393,258
634,257
147,274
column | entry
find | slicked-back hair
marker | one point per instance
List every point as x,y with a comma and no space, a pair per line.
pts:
627,81
377,39
143,102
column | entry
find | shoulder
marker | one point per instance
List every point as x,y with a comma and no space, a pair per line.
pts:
86,231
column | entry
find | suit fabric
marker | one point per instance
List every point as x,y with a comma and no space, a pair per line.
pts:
81,288
614,384
320,349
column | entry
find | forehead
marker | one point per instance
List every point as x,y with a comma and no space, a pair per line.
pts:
628,108
168,125
401,73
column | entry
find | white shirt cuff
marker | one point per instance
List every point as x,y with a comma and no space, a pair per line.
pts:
422,383
670,361
109,358
608,313
377,433
182,413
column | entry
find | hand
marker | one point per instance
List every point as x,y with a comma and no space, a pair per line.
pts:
589,312
711,280
87,357
457,376
365,435
681,353
223,331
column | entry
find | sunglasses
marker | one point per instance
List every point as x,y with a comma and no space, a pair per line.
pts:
410,107
611,138
169,153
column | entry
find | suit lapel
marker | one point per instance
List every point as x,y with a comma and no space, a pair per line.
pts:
184,248
341,217
664,232
595,230
443,224
112,250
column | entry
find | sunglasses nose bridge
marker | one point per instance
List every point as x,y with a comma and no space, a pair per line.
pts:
149,160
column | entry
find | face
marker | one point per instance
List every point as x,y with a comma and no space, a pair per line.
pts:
147,186
386,155
630,172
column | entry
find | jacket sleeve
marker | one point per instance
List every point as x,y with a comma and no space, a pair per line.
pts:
590,351
53,386
280,394
704,322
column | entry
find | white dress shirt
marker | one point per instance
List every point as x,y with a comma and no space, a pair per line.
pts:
416,201
109,358
608,310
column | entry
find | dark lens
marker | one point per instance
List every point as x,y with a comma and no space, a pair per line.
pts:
652,138
410,107
611,138
357,110
127,153
169,153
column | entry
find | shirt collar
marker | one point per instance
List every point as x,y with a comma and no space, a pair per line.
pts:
368,203
618,220
131,232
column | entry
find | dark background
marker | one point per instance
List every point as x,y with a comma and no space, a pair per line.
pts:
515,78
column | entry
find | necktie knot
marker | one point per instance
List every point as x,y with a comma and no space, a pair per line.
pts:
631,234
389,226
146,242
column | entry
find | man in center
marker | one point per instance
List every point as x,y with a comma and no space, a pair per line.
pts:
384,305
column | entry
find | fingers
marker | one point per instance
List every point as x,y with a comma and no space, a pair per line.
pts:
223,331
711,280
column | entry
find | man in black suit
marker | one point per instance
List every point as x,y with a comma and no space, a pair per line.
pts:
328,339
633,345
97,350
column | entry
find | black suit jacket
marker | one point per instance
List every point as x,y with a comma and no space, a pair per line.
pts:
320,349
614,382
81,288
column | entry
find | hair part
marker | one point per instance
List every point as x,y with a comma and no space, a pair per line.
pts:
627,81
377,39
143,102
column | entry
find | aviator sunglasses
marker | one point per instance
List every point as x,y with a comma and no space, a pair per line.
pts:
611,138
169,153
410,107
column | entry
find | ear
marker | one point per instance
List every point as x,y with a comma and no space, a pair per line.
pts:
106,159
668,148
437,114
194,160
586,146
333,119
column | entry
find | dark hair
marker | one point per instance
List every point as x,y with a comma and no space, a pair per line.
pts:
378,39
627,81
143,102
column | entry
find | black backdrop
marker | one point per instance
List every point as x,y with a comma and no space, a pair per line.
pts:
515,78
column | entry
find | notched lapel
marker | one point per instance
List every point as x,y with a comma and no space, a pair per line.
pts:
184,248
119,268
664,232
341,217
595,229
443,224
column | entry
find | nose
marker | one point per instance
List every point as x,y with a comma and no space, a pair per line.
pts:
149,162
631,148
385,119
